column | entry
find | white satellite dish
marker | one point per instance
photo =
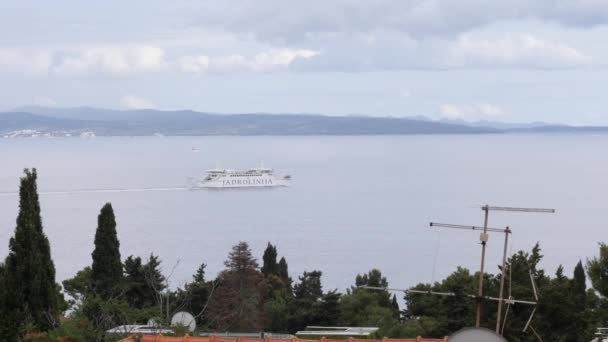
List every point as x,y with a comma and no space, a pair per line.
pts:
475,335
184,319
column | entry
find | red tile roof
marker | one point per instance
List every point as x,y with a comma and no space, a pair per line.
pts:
151,338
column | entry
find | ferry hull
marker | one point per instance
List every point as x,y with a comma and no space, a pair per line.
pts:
243,182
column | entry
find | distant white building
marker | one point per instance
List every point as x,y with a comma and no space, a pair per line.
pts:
87,134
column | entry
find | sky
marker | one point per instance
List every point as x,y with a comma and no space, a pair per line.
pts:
510,61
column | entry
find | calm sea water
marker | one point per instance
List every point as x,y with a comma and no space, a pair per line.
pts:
356,202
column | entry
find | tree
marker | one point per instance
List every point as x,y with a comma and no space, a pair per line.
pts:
143,282
306,306
597,270
374,278
236,303
195,296
579,285
32,297
106,271
438,316
78,287
330,308
283,270
270,260
309,287
366,307
395,307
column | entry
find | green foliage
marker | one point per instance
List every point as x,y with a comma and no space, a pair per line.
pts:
195,296
442,315
78,287
305,307
330,308
106,271
143,283
395,307
364,307
276,313
309,287
270,265
32,299
597,269
284,271
76,329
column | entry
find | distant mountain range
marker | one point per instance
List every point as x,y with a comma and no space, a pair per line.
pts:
70,121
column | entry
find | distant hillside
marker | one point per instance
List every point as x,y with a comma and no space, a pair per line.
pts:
187,122
148,122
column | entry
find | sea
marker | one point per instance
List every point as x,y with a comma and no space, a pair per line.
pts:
355,202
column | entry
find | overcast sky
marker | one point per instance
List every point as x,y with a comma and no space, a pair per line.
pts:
511,60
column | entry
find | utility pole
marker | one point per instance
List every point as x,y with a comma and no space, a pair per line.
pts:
502,280
484,240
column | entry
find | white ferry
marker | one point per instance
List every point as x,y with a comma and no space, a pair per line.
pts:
258,177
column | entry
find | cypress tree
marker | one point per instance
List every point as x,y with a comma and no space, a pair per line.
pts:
106,272
579,285
32,298
270,265
395,307
283,269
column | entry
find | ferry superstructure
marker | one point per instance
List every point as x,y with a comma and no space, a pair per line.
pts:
251,178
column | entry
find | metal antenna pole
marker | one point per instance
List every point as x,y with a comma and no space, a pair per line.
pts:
484,239
502,280
507,231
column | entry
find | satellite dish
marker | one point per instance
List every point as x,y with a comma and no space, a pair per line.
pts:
475,335
184,319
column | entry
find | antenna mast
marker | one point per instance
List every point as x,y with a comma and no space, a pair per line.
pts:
484,239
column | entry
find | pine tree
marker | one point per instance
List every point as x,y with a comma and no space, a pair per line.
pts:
32,297
195,295
143,282
106,272
306,308
270,260
309,286
199,276
236,303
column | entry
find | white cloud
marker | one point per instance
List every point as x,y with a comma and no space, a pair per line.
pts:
279,58
109,59
523,50
196,64
489,109
270,60
469,112
28,61
450,111
135,102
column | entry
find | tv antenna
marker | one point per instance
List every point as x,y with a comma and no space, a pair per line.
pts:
480,296
484,239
